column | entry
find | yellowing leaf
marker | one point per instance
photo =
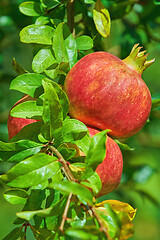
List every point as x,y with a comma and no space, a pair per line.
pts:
125,214
118,206
101,19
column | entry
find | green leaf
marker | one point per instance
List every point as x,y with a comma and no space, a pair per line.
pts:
50,4
30,9
55,210
52,111
110,220
42,20
93,182
155,103
14,234
17,157
89,1
30,132
71,47
82,193
37,34
101,19
96,152
124,146
59,46
17,146
32,171
28,109
84,42
28,83
16,196
42,60
18,68
82,233
83,143
73,130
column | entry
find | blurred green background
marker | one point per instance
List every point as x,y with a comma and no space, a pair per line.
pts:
140,186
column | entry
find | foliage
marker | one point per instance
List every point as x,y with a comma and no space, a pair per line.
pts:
47,177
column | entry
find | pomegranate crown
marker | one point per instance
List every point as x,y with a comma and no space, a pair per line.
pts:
138,60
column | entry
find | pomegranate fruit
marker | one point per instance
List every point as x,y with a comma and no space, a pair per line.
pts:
110,170
106,92
16,124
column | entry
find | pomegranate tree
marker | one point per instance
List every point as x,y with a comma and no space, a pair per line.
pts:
108,93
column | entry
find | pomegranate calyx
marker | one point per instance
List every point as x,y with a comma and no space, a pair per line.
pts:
138,60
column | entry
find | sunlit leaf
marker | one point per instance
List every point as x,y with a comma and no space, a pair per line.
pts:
28,109
84,42
123,146
27,83
82,193
30,8
52,111
16,196
42,60
37,34
101,19
32,171
58,46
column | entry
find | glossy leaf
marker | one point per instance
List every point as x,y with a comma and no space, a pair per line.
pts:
27,83
94,183
32,171
73,130
28,109
16,196
42,20
58,46
42,60
17,157
119,206
109,219
84,42
101,19
30,8
123,146
17,146
71,47
37,34
52,111
82,193
96,153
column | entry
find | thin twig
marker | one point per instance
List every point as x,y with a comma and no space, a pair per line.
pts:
65,167
64,217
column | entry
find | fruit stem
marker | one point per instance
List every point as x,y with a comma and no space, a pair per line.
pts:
138,60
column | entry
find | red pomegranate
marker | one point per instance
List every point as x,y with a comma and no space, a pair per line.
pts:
110,170
106,92
16,124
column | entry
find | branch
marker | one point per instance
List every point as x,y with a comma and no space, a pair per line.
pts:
70,16
65,167
64,217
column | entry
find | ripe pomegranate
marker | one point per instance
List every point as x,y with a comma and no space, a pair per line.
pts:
16,124
106,92
110,170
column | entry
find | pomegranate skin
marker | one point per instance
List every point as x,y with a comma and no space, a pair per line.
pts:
105,93
14,124
110,170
